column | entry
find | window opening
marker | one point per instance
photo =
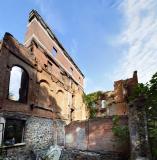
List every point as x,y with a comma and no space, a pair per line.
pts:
54,52
18,86
14,131
103,104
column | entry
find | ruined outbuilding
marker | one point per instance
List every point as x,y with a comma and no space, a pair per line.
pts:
114,102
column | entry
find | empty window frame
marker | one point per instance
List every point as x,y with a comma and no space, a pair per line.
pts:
54,52
103,104
18,86
14,131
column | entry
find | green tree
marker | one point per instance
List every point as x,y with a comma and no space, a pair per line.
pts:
121,131
90,100
149,92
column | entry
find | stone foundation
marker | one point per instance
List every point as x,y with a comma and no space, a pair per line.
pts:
40,134
16,153
84,155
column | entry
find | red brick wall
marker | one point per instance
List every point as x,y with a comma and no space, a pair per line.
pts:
34,28
12,53
93,135
44,82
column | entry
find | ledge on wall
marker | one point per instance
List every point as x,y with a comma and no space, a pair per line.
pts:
14,145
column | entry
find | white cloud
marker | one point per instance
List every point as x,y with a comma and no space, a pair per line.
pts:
140,35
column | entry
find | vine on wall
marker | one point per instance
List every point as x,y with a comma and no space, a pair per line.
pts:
149,92
120,131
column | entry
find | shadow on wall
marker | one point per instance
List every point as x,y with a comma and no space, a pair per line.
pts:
95,135
101,137
45,99
39,93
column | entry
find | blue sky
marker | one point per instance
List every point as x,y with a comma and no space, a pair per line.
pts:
108,39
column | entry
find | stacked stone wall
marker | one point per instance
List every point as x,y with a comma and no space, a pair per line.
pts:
40,134
16,153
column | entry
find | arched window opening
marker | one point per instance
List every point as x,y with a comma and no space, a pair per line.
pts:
103,104
18,86
44,94
60,99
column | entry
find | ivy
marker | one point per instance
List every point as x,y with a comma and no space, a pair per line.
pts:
91,98
139,90
149,92
121,131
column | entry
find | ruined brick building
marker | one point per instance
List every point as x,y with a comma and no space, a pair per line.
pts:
41,101
114,102
95,135
41,88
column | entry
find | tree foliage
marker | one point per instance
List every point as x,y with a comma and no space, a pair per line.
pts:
121,131
90,100
149,92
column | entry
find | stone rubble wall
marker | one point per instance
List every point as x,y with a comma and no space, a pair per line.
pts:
17,153
40,134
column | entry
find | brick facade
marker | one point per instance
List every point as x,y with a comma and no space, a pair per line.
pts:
53,98
52,92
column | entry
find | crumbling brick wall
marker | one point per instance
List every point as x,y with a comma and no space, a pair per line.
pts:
43,99
94,135
115,102
48,102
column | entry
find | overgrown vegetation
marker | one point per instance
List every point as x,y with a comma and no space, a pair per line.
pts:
149,92
90,100
121,131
